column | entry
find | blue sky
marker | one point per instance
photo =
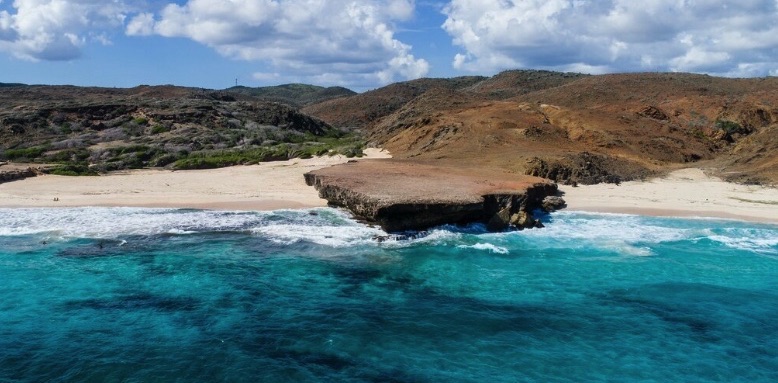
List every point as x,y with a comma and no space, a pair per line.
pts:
369,43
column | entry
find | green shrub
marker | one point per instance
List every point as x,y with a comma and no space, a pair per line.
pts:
730,127
132,149
164,160
25,153
303,146
223,158
157,129
72,170
68,156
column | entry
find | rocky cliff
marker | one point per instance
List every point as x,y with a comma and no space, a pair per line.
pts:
15,173
403,195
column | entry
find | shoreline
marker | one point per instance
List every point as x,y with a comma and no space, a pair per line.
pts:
266,186
685,193
681,214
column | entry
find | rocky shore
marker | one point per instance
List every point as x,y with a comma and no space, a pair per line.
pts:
10,173
402,195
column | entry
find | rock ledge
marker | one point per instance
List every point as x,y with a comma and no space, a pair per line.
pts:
402,195
15,173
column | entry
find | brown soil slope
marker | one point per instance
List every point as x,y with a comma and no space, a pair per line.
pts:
576,128
364,109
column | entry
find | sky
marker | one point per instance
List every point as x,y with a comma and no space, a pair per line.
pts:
367,44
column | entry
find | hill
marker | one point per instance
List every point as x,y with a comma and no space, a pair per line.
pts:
569,127
363,109
575,128
296,95
90,130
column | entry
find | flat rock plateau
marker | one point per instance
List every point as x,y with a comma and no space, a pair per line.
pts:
406,195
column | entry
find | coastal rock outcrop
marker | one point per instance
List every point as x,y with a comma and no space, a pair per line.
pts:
553,203
586,169
403,195
15,173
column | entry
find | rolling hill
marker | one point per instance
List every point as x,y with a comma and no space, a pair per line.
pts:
569,127
575,128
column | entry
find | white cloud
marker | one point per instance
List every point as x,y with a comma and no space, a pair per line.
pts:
341,42
57,29
731,38
141,25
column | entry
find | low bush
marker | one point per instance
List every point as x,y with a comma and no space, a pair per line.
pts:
223,158
28,154
68,156
730,127
72,170
157,129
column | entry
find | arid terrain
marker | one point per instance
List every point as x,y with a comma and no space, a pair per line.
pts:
575,128
96,130
451,140
571,128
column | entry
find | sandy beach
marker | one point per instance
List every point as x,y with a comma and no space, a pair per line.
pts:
682,193
266,186
280,185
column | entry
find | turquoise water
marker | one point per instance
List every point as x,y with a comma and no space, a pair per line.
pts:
140,295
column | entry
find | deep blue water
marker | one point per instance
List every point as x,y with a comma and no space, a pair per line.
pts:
142,295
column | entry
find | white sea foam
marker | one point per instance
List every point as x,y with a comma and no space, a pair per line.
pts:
439,236
756,240
323,226
328,235
634,235
180,232
111,222
625,234
100,222
486,247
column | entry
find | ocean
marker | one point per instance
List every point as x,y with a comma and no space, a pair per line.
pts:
170,295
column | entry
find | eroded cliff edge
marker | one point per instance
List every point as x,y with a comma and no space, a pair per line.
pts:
10,173
407,195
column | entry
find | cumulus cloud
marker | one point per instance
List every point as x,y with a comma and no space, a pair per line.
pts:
57,29
334,41
732,38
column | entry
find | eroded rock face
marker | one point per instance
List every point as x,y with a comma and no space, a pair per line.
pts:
18,174
402,195
585,168
654,112
553,203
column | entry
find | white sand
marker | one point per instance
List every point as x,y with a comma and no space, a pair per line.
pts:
267,186
683,193
280,185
